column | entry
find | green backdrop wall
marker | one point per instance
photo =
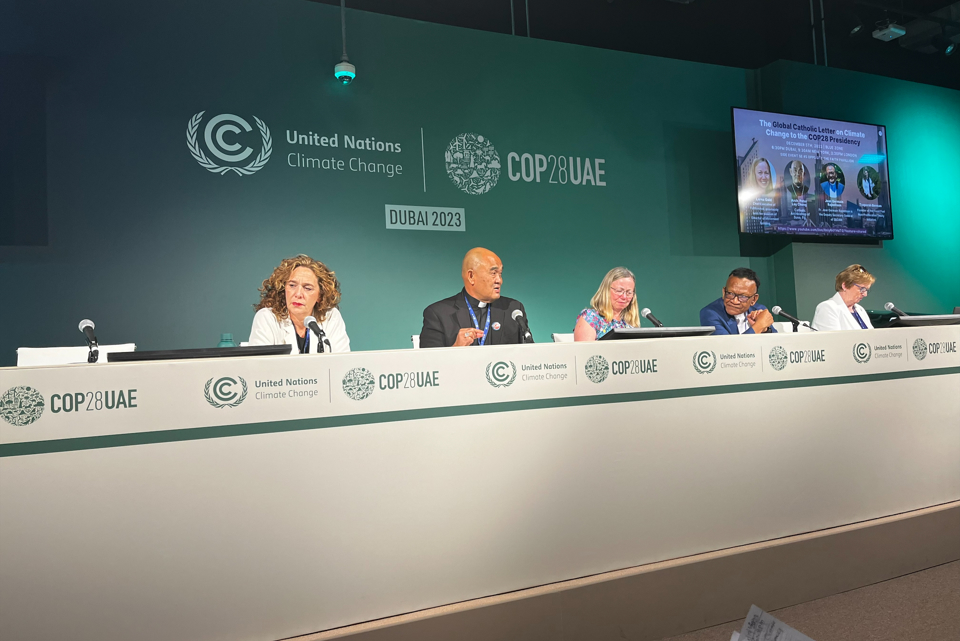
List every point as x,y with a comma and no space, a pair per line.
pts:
160,251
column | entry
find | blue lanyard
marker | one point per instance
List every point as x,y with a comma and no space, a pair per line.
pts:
859,320
486,329
306,341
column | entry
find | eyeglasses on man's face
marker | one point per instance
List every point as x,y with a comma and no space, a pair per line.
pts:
740,297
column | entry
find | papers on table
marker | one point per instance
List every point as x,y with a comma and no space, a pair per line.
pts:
761,626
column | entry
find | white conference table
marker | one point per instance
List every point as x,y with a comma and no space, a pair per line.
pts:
266,497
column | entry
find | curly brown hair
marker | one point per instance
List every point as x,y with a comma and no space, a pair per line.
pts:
273,289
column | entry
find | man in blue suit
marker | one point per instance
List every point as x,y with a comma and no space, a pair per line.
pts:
832,187
737,310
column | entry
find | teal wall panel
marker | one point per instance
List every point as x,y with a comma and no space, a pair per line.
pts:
920,268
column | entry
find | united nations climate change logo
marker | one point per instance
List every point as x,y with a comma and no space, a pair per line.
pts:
472,164
358,383
223,393
228,150
21,405
597,368
704,362
778,358
861,352
920,349
501,373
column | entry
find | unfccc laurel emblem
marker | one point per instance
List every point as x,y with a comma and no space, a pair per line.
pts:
501,373
224,149
223,392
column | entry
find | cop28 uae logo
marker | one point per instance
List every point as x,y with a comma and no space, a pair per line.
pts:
920,349
358,383
501,374
704,362
862,352
223,392
21,405
228,149
596,368
472,164
778,358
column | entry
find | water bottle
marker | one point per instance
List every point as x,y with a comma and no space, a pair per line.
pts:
226,340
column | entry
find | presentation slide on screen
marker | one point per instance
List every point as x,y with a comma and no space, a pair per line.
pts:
811,177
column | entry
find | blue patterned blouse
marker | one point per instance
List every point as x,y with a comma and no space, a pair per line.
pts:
601,325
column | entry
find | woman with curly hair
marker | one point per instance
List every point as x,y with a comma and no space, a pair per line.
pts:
298,288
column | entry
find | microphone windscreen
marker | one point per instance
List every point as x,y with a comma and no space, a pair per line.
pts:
776,309
889,307
85,323
308,320
645,312
515,314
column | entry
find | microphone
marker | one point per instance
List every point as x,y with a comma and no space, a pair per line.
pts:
87,326
518,316
312,323
646,313
890,307
776,309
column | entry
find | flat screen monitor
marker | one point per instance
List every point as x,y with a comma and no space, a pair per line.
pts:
628,333
811,177
203,352
926,321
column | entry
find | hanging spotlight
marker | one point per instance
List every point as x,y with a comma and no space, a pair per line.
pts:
344,71
943,44
855,24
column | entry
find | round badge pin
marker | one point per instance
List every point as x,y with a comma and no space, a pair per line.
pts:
496,326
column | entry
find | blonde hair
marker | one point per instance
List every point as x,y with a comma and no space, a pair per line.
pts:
273,289
602,301
854,275
753,173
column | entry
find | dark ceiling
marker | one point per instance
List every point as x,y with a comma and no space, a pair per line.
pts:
736,33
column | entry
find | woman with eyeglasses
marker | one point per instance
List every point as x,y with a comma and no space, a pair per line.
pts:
613,306
843,311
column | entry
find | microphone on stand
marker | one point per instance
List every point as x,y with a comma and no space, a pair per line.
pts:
646,313
525,334
87,327
314,326
890,307
776,309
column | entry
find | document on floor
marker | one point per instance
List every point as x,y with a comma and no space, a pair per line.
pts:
761,626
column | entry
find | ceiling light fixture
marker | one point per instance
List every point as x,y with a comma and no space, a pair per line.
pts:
344,71
943,44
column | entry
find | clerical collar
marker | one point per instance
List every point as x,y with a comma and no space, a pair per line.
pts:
473,301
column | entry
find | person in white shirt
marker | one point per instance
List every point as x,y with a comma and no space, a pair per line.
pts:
298,288
843,311
867,186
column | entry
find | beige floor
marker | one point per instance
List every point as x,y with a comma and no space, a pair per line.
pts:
924,606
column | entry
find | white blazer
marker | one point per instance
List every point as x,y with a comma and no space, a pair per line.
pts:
832,315
267,330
